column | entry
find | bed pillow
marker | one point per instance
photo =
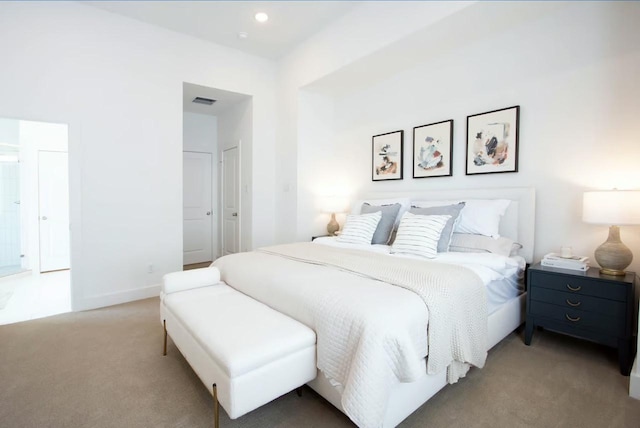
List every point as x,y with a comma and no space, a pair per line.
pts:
479,216
467,243
419,234
451,210
359,229
385,226
405,204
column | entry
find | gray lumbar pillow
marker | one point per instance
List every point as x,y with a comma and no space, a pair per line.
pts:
385,226
453,211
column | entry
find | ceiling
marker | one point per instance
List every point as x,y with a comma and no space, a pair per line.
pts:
290,22
224,99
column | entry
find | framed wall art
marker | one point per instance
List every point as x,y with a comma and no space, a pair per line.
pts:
387,156
492,141
433,150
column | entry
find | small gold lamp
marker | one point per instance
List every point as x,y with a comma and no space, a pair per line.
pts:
613,208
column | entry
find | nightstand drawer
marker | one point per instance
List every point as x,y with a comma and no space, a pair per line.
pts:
579,319
580,286
581,302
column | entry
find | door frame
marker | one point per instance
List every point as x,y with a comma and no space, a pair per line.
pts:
237,146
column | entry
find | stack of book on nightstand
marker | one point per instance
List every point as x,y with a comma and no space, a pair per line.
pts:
557,261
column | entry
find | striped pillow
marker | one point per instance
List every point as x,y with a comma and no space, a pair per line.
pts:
359,229
419,234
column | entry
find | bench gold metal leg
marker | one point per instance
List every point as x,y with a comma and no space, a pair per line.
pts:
216,411
164,323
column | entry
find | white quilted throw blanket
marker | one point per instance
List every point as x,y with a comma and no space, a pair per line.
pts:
358,354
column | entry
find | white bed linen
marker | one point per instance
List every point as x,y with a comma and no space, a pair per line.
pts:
489,267
364,339
333,242
296,289
502,276
503,290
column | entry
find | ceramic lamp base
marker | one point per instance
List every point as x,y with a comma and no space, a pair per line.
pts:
613,256
333,225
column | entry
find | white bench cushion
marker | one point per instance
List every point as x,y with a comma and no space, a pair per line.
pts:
240,333
188,279
252,352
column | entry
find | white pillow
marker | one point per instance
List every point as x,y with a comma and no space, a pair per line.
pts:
479,216
467,243
419,234
359,229
405,204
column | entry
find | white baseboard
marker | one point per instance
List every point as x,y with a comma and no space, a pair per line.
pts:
110,299
634,381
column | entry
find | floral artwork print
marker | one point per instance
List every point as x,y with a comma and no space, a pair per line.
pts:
492,141
432,149
387,156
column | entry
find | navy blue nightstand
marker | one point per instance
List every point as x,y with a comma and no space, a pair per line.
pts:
585,305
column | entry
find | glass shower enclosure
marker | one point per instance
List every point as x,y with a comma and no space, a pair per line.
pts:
10,231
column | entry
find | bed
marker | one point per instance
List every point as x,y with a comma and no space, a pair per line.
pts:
372,336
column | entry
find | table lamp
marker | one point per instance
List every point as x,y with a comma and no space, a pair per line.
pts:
333,205
613,208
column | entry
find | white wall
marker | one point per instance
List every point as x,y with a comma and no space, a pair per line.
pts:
367,28
118,83
235,130
9,132
200,134
573,72
321,171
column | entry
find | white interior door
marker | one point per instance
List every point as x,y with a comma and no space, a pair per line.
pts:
197,208
53,198
230,201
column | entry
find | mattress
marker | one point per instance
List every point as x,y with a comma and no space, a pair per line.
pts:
502,276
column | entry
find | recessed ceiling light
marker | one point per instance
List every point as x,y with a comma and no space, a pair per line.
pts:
261,17
242,35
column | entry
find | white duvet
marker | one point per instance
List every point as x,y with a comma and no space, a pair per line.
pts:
489,267
370,334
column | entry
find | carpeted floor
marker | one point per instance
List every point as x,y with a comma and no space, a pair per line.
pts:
196,266
104,368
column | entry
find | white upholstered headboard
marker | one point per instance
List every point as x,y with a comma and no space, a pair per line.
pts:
518,222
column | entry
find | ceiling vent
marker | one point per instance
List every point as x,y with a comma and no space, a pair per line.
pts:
201,100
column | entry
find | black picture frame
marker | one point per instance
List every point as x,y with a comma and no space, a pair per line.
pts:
387,156
493,141
433,150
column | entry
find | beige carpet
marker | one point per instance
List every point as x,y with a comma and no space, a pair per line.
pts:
104,368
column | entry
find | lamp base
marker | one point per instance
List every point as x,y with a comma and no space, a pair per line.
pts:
611,272
333,225
613,256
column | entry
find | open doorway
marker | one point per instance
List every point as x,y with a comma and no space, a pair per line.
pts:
34,199
213,123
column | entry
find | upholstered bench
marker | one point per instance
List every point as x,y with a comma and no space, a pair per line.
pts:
248,353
